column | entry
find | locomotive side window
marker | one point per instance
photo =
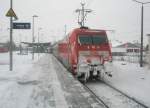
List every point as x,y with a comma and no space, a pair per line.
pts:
84,39
97,39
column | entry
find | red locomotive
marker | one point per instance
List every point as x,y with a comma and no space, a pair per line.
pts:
84,52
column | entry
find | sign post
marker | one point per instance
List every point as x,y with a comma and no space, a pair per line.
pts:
11,14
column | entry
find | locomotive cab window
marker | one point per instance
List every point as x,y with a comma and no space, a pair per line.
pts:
84,39
92,39
97,39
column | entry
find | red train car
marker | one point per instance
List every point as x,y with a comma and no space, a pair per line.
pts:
3,49
84,51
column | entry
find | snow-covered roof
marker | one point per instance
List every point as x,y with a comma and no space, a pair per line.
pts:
129,45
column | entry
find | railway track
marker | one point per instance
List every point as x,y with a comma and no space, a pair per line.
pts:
118,99
140,103
98,99
111,97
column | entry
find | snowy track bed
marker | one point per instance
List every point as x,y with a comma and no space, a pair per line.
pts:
112,97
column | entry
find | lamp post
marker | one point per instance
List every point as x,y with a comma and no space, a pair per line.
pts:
141,49
39,40
33,39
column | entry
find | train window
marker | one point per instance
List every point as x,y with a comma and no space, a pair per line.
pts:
97,39
92,39
85,39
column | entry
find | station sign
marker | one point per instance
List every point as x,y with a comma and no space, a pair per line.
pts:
21,25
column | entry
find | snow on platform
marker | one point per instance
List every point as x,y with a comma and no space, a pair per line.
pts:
42,83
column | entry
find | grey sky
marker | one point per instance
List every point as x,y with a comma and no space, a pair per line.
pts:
123,16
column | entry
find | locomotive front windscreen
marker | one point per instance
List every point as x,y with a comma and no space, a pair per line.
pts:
85,39
92,39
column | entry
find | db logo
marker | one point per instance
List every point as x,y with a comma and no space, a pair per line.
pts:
93,47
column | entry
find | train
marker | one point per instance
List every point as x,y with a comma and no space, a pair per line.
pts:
84,52
3,50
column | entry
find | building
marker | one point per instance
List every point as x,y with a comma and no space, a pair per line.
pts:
127,51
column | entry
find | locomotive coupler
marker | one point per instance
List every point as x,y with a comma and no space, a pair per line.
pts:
95,70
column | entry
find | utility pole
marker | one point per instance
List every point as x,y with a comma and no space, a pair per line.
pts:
141,49
141,52
82,13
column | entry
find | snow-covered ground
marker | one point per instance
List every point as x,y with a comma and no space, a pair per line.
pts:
22,88
12,92
31,84
40,84
130,78
111,97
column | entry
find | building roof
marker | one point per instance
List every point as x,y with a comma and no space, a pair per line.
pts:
129,45
2,43
37,44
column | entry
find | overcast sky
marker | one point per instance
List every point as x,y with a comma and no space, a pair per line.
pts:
123,16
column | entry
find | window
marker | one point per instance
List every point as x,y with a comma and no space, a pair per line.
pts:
92,39
129,50
97,39
136,50
85,39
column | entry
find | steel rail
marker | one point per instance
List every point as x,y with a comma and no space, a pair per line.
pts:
140,103
98,99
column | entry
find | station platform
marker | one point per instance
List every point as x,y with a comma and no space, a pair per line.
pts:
65,90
